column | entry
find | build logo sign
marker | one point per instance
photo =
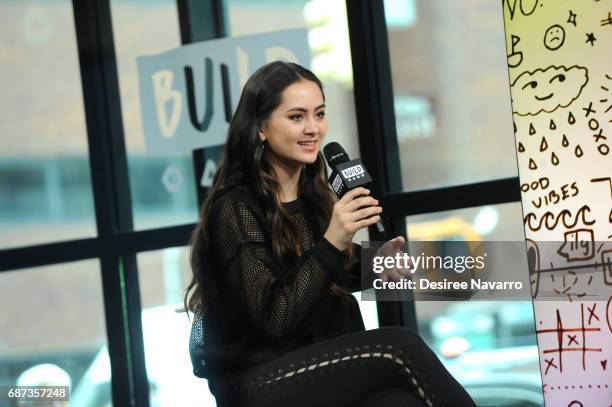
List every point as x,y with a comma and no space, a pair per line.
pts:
188,95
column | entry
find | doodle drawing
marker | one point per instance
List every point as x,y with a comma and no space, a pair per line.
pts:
545,90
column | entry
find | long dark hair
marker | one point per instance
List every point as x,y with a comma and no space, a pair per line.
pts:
244,163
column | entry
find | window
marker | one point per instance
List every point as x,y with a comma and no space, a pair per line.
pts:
55,331
451,92
45,183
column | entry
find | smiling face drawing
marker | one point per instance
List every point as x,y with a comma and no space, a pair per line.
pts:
548,89
554,37
534,84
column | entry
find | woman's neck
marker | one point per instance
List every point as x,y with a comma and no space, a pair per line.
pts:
288,177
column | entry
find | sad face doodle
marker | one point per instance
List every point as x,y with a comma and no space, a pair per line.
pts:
547,89
554,37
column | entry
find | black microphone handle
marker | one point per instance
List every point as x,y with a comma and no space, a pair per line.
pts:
381,231
380,228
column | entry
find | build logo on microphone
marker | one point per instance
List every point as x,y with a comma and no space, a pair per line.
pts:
354,172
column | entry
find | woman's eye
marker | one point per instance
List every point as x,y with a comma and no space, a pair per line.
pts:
296,117
321,115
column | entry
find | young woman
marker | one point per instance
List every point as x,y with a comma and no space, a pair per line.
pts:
273,266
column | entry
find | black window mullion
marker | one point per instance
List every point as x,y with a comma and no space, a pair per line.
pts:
374,93
494,192
200,20
374,107
83,249
154,239
112,200
45,254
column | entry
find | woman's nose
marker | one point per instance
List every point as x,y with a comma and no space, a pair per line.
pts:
310,127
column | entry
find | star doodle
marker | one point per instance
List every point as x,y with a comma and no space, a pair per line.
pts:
572,18
590,38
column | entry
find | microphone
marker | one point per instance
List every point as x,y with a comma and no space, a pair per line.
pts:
347,174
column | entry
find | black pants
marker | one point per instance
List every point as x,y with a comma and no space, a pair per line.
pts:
385,367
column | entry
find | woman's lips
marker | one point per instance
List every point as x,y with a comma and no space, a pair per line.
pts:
308,145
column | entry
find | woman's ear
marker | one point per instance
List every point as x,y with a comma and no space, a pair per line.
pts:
260,131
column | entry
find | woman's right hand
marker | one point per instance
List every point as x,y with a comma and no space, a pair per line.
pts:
356,210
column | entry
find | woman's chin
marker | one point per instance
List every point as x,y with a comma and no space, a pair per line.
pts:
310,158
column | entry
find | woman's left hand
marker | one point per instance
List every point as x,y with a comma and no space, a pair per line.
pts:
390,249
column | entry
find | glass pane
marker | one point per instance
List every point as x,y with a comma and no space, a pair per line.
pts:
369,311
451,92
163,274
491,222
45,185
487,346
162,185
58,335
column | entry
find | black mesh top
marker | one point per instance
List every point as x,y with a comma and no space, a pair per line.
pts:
255,310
